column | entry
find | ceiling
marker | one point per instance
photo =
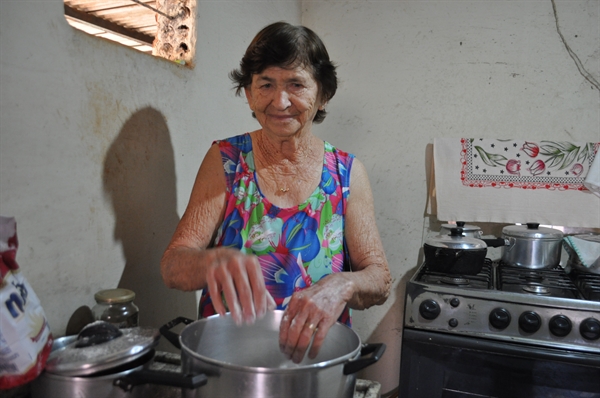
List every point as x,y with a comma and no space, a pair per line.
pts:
124,21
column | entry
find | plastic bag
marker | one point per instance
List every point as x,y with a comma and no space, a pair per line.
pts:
25,337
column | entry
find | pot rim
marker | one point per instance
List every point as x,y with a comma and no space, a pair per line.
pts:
532,231
92,377
294,368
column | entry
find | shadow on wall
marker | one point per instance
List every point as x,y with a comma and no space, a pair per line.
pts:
139,179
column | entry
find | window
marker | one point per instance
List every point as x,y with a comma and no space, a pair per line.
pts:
164,28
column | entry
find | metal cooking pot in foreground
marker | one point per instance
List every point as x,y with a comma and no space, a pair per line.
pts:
531,246
245,361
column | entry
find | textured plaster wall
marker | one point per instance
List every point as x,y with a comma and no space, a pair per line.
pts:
412,71
99,144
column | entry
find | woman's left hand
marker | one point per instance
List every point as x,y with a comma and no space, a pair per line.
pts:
310,314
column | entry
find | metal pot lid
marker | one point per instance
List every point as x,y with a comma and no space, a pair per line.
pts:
532,231
456,240
461,224
69,360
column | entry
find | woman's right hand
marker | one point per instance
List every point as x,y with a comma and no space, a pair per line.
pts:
238,278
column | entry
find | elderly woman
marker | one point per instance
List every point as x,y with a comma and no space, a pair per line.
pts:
278,218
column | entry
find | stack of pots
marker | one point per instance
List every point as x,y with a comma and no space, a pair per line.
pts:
455,253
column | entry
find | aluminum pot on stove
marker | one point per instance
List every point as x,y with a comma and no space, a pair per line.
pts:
531,246
245,361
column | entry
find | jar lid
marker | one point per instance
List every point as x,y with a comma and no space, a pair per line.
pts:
67,359
114,296
532,231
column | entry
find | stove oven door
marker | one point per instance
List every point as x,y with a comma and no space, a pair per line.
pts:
439,365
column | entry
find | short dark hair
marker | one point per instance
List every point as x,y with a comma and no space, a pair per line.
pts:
287,46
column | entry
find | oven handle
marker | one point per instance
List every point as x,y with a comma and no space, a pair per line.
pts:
504,348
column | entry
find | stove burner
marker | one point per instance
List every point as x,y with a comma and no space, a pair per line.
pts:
533,277
454,281
484,280
552,282
537,289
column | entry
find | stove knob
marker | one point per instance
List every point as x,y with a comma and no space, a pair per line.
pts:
429,309
453,322
530,322
590,329
560,325
500,318
455,302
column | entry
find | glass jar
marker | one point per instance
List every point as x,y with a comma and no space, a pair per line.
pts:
116,306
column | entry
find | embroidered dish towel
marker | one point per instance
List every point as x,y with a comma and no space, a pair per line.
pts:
515,181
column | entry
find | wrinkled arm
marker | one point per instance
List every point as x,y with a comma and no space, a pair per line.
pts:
185,261
371,280
189,264
316,309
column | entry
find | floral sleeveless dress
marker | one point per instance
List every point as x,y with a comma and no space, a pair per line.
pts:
297,246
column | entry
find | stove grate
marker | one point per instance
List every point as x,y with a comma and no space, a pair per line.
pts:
552,282
588,284
482,281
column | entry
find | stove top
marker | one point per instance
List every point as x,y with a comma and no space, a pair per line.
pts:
554,282
547,307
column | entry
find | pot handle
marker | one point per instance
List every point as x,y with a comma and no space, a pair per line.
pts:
172,379
497,242
375,351
173,337
510,243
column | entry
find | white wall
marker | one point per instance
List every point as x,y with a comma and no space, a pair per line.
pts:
99,144
412,71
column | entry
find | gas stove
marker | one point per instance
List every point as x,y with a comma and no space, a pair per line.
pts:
547,308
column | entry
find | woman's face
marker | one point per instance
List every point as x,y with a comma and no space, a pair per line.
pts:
284,101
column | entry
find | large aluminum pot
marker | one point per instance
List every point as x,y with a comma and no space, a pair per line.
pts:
245,361
531,246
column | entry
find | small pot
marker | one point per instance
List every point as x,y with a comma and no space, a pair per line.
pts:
531,246
455,253
471,231
245,361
